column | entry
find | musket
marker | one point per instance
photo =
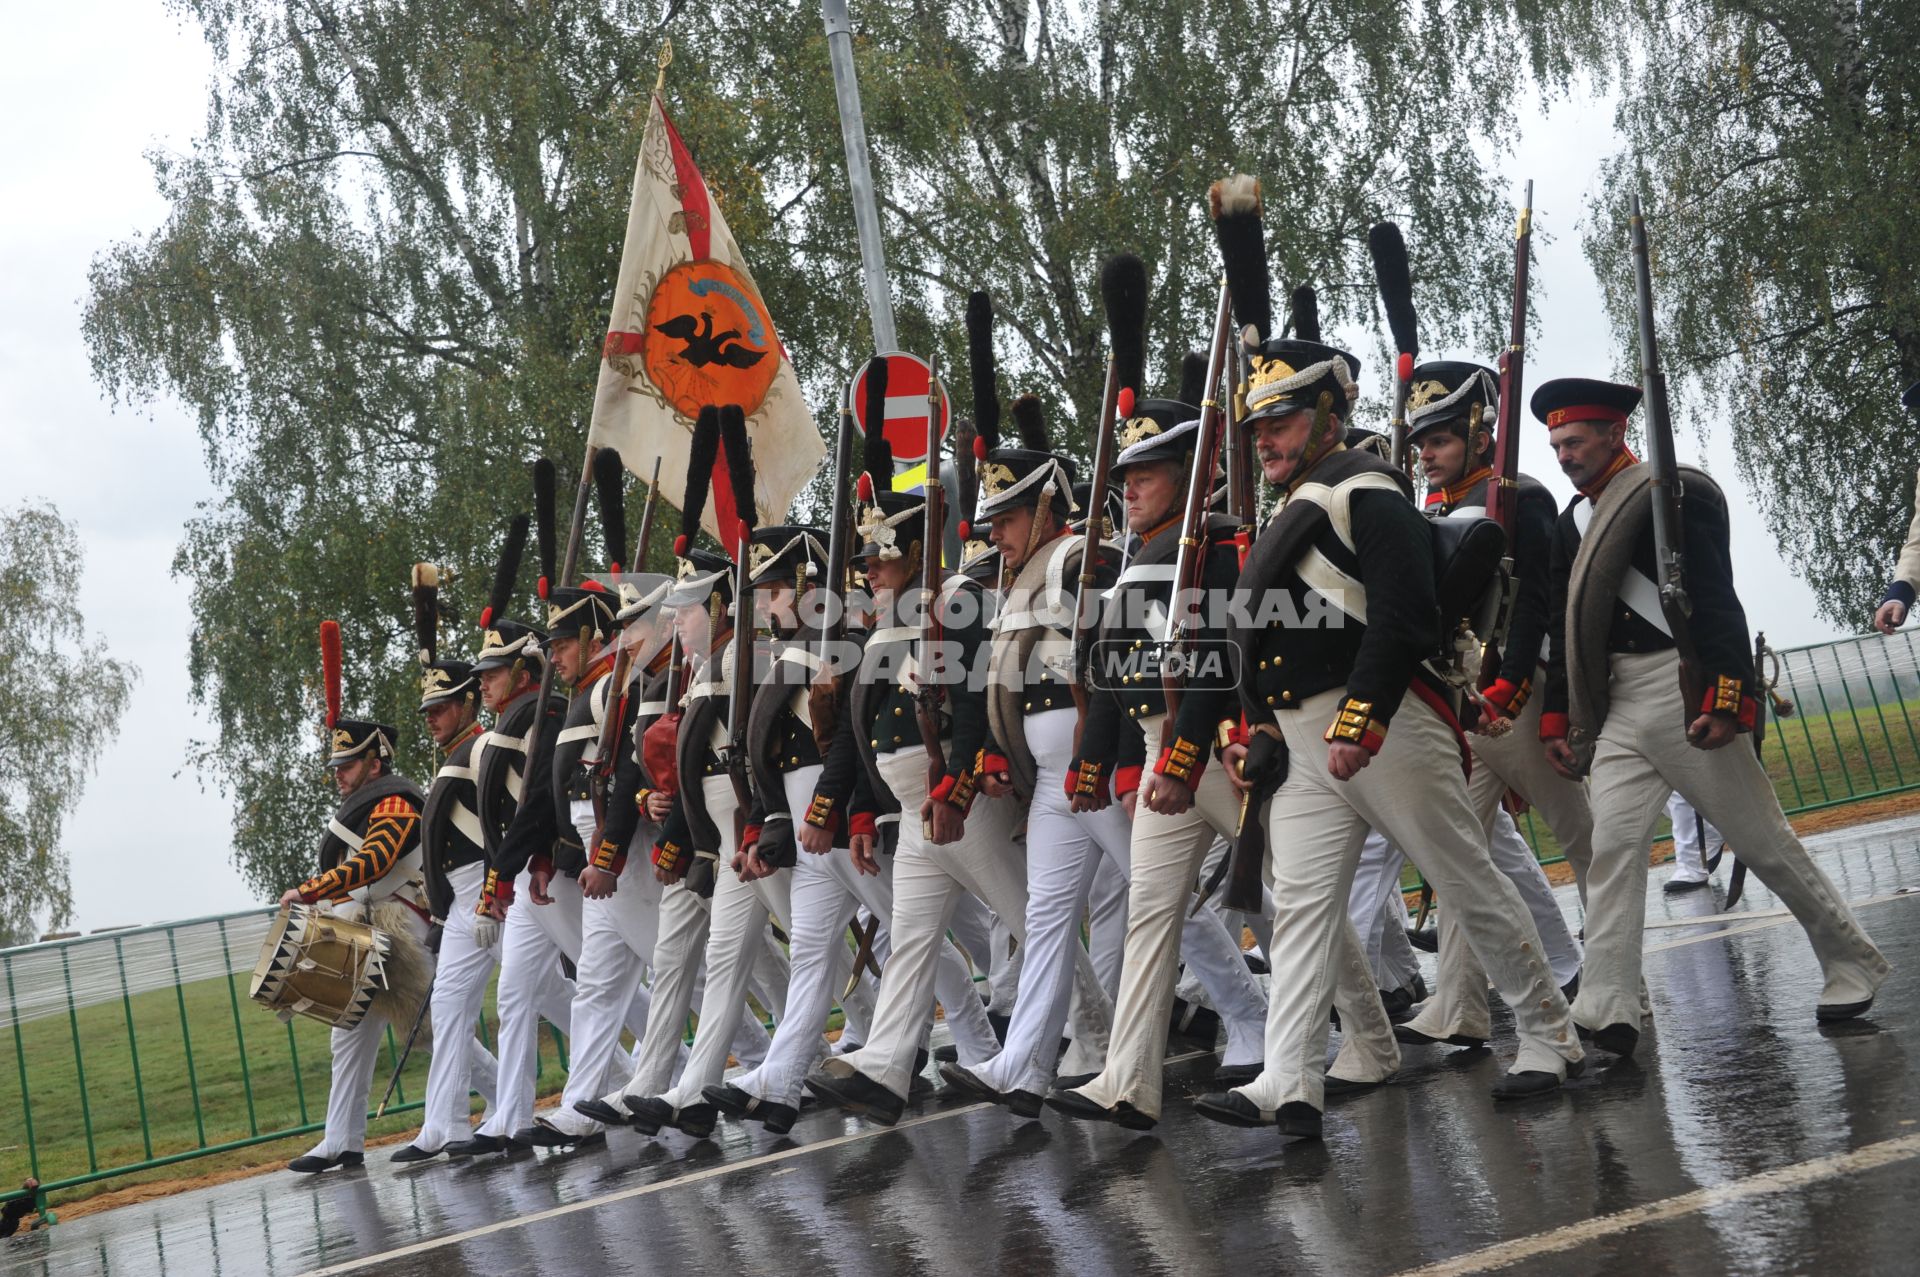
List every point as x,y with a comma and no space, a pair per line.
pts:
927,695
406,1049
1503,485
1190,560
863,959
1669,547
572,557
823,695
603,761
741,693
1766,672
1086,612
1503,488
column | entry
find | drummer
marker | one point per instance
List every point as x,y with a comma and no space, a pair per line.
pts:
370,868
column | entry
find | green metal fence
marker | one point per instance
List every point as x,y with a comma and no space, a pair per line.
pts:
1849,733
137,1049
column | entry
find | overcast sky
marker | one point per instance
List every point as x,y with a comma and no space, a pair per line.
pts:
87,89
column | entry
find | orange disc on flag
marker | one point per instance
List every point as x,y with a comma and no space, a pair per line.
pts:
709,339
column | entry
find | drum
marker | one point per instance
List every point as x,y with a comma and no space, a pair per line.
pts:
320,965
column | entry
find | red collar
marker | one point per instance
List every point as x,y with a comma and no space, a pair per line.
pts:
473,729
601,667
1455,494
1625,458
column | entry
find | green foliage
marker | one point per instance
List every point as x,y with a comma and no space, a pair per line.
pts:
61,700
1775,150
387,267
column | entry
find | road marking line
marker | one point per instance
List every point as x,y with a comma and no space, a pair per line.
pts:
1777,911
1781,1180
643,1190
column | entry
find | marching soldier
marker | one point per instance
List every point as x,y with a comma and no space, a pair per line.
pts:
1181,809
1898,600
454,861
707,823
369,867
1450,412
951,839
1343,587
1614,707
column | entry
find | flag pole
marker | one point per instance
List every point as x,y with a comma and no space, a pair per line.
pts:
866,213
666,60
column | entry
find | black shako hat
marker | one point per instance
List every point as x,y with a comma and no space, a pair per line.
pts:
1451,393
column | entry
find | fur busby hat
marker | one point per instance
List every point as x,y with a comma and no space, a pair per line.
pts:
349,739
1453,395
440,680
1030,475
503,640
1566,400
1284,374
700,575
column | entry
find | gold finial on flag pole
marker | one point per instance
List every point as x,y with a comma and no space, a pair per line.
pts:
666,60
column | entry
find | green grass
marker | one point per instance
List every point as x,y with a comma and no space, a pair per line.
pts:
163,1092
1829,752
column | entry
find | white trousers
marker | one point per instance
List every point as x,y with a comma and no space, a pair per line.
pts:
459,992
826,891
1414,794
1167,854
619,936
735,939
532,987
1107,923
1693,839
355,1053
928,882
1378,913
1641,757
1063,851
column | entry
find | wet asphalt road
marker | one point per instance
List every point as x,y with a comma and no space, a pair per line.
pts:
1742,1139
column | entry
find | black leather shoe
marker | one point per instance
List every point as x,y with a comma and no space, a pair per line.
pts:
540,1135
478,1146
1023,1103
1347,1086
1426,940
965,1082
1298,1119
1074,1104
1228,1076
311,1165
1620,1039
696,1120
860,1094
1571,989
1525,1084
413,1153
1678,886
1194,1022
920,1061
1398,1003
1829,1012
1419,987
1074,1079
650,1113
776,1117
1414,1037
946,1054
601,1111
1231,1108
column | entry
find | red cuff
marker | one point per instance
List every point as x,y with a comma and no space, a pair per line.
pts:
992,764
1354,724
1183,760
1126,780
863,823
1553,725
609,858
667,855
541,865
1507,697
956,791
749,835
1728,696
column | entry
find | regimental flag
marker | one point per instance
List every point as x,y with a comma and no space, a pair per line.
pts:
689,329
